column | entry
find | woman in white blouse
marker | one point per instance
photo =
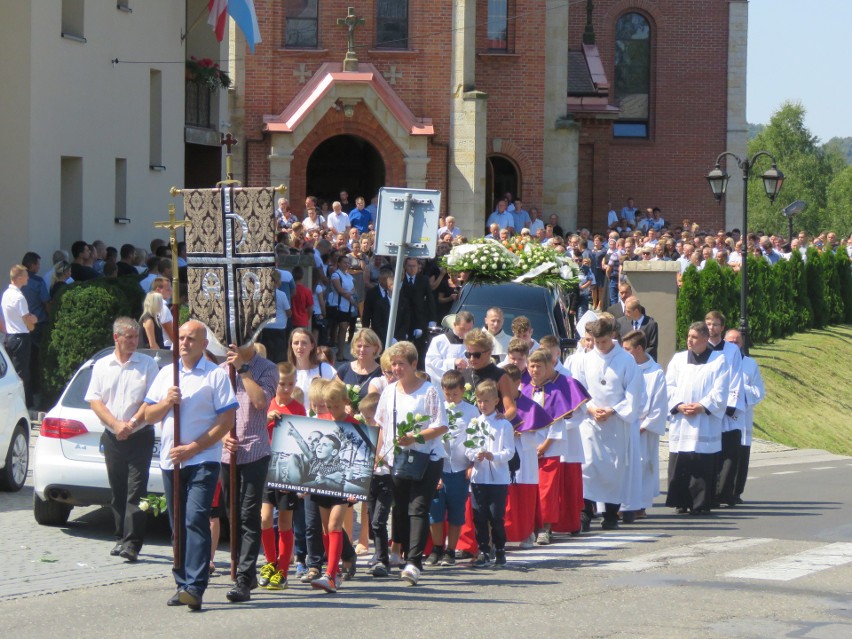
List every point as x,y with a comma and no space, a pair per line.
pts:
303,355
313,220
412,498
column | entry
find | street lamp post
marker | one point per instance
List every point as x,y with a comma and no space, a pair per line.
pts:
718,181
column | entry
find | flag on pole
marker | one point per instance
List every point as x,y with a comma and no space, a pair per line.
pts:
243,13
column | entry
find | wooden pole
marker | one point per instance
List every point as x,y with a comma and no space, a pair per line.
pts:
173,225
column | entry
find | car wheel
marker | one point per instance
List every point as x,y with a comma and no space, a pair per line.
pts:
13,476
50,513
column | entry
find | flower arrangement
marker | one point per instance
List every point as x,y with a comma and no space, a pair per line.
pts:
516,260
155,504
486,258
207,73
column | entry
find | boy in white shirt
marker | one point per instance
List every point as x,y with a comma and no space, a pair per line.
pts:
450,500
489,479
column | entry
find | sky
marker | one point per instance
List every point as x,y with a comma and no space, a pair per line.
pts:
801,50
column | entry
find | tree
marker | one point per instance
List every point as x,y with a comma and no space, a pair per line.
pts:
839,210
808,169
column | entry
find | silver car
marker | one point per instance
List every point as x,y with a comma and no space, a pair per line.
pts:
14,427
68,463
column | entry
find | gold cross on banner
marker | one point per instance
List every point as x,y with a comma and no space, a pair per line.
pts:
173,224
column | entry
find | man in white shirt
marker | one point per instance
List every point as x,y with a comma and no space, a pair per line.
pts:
449,227
116,395
18,322
207,408
629,212
494,320
338,221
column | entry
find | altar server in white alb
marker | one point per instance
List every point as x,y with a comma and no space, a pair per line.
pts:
446,351
698,383
726,462
617,390
753,394
652,422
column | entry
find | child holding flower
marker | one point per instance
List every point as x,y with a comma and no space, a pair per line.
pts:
492,447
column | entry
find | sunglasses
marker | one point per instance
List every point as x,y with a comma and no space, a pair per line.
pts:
468,355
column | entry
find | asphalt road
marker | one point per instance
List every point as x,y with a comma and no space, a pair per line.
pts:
778,566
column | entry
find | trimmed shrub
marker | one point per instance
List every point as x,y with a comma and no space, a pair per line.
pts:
802,313
82,326
689,304
817,288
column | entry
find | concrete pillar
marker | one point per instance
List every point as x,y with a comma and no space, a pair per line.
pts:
561,138
655,284
466,197
737,133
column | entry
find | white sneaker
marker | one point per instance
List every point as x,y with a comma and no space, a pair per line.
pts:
528,543
411,574
543,538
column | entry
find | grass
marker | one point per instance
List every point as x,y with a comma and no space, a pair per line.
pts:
808,381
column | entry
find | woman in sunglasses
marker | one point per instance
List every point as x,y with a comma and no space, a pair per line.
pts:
477,352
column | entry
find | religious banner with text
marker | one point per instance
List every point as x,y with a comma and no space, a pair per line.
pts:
230,249
322,457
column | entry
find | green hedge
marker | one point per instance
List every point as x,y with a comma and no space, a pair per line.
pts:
83,313
784,298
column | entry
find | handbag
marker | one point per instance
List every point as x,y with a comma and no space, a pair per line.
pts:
408,464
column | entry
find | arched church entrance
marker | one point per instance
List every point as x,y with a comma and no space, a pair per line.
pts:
502,177
345,163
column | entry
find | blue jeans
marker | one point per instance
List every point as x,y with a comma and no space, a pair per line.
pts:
197,486
613,290
300,547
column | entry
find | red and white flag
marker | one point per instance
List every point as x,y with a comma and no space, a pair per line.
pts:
218,16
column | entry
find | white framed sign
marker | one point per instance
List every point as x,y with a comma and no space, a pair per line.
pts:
420,234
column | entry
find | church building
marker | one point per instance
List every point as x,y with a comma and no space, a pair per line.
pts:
568,105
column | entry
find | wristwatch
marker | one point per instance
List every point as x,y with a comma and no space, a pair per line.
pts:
243,369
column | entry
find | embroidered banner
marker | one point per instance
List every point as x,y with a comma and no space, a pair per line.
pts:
230,248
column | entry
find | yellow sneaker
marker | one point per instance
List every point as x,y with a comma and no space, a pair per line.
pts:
278,581
266,574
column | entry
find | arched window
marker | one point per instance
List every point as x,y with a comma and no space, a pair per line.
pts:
391,24
632,76
300,24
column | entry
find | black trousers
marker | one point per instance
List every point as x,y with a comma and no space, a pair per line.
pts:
379,504
692,480
412,500
251,484
610,510
128,464
742,469
18,346
488,502
727,467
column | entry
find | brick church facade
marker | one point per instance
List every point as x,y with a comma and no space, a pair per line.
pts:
568,105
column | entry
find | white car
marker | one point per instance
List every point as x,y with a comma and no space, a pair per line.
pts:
14,427
68,463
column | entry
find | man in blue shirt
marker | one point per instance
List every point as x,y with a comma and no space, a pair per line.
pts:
360,217
502,217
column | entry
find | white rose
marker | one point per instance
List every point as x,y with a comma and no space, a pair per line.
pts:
144,506
451,405
356,388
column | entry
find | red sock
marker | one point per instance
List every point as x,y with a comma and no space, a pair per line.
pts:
267,538
285,549
335,550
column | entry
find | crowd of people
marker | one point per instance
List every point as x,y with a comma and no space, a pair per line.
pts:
518,444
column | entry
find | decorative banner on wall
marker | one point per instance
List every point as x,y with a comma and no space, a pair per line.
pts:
230,247
322,457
